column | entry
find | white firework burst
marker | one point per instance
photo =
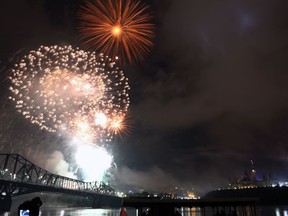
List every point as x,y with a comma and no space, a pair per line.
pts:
71,90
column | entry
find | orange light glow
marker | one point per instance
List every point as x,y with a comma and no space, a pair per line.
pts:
117,28
117,125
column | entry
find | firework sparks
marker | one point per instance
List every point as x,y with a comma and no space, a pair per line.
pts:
94,161
70,90
117,27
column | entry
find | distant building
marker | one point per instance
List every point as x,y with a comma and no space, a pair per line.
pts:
249,180
183,193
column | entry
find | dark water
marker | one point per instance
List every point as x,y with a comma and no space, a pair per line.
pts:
273,210
260,211
78,212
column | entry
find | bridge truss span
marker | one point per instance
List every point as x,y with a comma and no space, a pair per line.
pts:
20,176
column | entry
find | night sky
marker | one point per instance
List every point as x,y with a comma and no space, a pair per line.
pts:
210,96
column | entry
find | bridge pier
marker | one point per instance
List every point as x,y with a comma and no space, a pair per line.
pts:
5,204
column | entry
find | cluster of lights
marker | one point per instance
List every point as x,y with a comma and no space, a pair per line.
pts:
72,91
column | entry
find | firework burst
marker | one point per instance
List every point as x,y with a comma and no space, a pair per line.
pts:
69,90
117,27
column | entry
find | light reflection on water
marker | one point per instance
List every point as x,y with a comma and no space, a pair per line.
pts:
79,212
279,213
272,211
261,211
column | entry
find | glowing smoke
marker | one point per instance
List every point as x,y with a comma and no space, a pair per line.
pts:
94,161
57,164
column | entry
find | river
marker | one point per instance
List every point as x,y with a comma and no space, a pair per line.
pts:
78,212
261,211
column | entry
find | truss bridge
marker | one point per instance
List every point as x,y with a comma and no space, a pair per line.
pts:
19,176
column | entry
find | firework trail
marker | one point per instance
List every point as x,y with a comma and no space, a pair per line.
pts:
71,91
117,27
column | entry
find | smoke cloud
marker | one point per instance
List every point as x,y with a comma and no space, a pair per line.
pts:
57,164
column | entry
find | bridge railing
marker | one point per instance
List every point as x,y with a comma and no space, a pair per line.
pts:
14,167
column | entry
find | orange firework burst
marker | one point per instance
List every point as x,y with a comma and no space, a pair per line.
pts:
117,27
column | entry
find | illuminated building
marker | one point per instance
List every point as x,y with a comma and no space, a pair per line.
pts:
249,180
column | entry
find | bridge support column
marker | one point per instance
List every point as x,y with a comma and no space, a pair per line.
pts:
5,204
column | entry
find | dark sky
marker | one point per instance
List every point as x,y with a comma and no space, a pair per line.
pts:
211,95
